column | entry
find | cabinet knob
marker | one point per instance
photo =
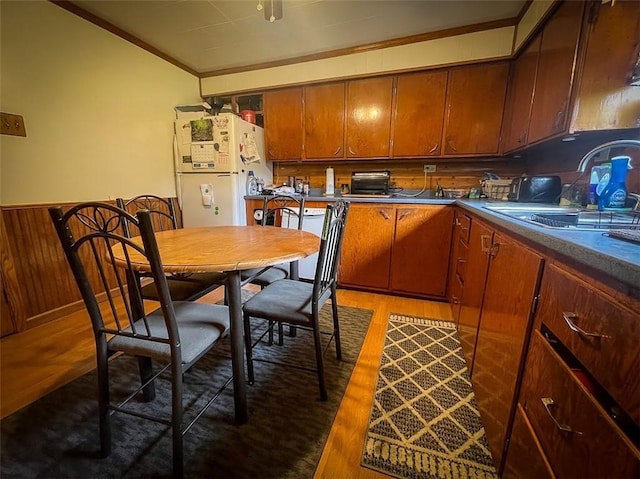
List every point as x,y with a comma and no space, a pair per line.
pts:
450,145
569,318
337,151
435,147
351,152
384,214
548,404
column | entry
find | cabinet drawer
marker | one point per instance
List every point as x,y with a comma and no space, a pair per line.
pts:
576,435
613,359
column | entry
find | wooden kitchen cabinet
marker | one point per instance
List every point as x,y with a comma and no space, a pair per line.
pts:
507,307
474,109
525,458
458,256
605,100
420,254
324,112
397,248
418,115
555,74
283,124
368,117
580,388
520,97
477,263
577,435
366,246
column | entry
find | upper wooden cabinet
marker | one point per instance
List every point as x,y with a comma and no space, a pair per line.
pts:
368,116
324,121
520,98
475,103
418,114
283,124
556,67
605,100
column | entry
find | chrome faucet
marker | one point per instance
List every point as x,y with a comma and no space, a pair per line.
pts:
582,166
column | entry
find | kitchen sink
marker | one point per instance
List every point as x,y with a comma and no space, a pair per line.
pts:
561,217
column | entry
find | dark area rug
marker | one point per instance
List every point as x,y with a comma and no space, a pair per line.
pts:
424,421
57,436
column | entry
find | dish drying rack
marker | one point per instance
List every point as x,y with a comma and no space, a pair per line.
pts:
629,220
496,189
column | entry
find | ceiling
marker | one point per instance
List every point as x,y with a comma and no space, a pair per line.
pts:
207,36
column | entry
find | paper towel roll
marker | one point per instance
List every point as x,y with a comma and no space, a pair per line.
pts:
330,182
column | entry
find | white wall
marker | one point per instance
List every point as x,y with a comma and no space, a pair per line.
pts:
98,110
477,46
484,45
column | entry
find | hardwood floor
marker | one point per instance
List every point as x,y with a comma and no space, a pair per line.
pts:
44,358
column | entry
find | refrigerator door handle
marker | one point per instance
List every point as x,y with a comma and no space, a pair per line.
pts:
177,170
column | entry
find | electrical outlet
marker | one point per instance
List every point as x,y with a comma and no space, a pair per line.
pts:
429,168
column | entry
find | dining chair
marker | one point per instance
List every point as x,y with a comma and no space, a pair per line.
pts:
173,337
298,303
182,286
278,210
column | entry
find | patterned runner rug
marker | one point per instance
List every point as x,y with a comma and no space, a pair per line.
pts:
424,421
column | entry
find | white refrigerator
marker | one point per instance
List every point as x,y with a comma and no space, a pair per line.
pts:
213,157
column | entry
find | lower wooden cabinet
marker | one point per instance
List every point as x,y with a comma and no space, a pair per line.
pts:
477,263
397,248
579,438
505,318
366,247
580,384
525,458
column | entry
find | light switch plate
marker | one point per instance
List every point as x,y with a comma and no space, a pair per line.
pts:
12,125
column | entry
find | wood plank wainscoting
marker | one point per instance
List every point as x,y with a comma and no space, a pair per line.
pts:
37,284
407,174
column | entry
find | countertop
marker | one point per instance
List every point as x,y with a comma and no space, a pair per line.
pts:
617,258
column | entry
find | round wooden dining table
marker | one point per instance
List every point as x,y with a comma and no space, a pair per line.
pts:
229,249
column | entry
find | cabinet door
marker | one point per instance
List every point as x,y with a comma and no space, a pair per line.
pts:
555,72
369,117
518,109
283,124
475,103
607,101
419,114
421,246
324,121
366,247
480,240
511,286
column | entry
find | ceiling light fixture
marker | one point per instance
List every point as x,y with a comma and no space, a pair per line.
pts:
272,9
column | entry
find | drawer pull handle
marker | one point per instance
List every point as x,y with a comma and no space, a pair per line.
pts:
569,317
384,214
548,404
485,245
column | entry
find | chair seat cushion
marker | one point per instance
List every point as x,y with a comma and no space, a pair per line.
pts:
285,300
200,326
188,288
273,274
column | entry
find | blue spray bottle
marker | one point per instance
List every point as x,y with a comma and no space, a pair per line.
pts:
614,195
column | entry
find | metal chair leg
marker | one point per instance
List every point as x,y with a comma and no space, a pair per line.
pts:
145,366
319,362
176,419
336,324
247,348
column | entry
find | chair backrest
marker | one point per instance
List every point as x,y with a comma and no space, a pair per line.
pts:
275,206
335,219
162,211
91,235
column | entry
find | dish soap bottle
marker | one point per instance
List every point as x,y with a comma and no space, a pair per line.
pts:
252,184
614,195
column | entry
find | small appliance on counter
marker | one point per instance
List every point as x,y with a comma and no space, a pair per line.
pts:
535,189
370,183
